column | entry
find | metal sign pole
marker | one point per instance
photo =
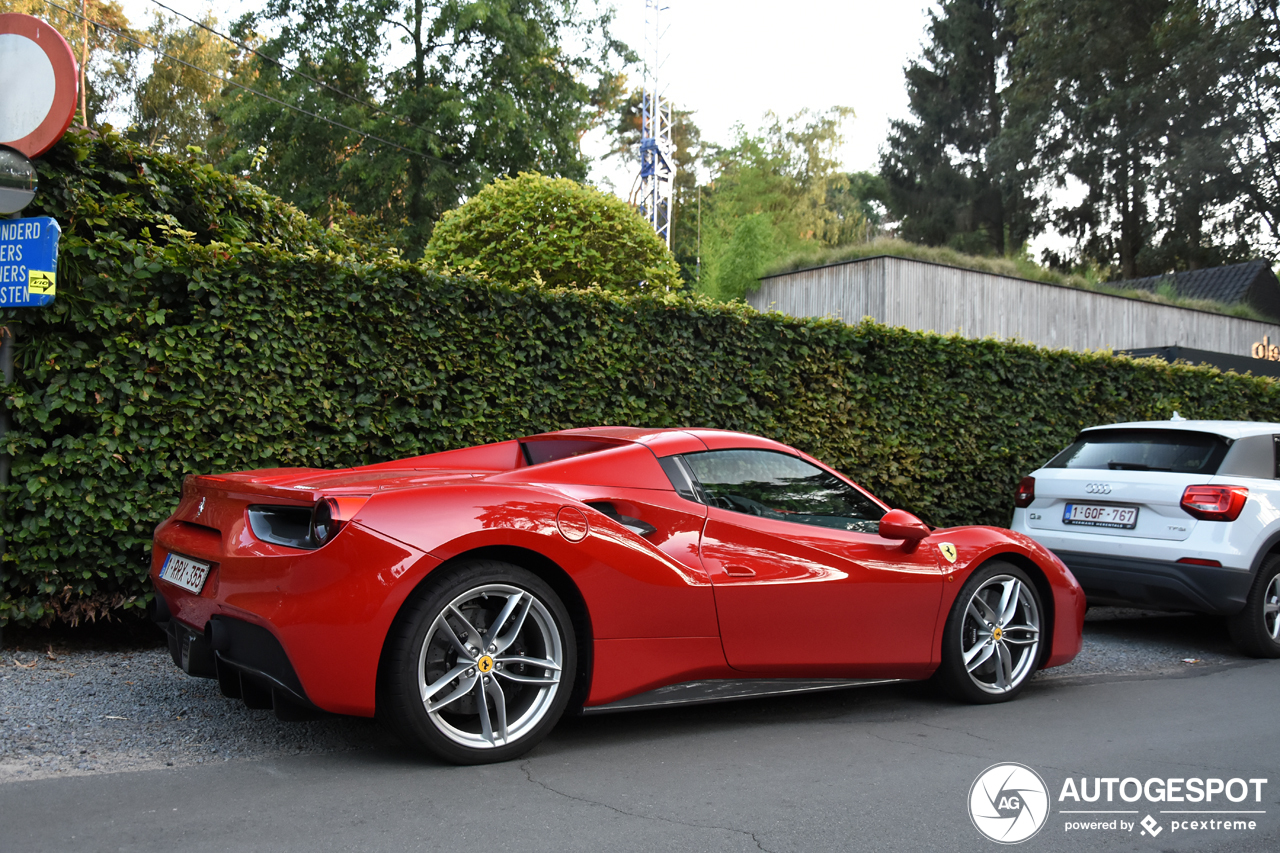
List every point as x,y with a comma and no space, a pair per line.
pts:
30,250
6,371
40,104
35,242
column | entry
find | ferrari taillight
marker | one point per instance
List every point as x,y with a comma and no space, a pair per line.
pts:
1026,493
1215,503
330,515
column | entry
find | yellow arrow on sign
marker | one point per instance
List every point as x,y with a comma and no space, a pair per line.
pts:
42,283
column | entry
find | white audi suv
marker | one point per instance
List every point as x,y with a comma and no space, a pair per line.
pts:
1171,515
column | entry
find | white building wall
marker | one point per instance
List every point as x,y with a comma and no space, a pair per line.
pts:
929,297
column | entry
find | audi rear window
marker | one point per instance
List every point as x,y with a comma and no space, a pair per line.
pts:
1176,451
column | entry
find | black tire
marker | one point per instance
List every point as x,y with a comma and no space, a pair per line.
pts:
484,682
1256,629
1007,644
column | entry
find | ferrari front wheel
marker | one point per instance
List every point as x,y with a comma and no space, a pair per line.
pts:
992,640
480,665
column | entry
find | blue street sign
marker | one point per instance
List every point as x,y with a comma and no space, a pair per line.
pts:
28,261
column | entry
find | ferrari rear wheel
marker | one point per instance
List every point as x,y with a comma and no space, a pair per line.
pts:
992,641
481,665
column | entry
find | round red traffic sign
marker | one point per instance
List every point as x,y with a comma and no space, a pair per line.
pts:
38,98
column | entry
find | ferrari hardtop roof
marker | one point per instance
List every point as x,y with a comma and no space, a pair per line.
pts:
1226,429
649,434
622,433
629,433
668,440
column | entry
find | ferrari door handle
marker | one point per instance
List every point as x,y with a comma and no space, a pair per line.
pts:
728,568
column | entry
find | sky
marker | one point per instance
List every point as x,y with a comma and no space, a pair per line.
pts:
732,61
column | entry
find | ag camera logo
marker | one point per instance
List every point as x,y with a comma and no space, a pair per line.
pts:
1008,803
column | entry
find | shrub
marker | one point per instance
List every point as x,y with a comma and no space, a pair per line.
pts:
553,230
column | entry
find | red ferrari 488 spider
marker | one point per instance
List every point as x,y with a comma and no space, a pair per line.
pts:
470,598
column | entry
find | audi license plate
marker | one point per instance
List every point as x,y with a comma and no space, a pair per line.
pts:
185,572
1098,515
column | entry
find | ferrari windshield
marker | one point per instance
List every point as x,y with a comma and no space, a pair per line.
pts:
1177,451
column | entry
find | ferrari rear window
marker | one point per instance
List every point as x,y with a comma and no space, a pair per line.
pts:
1176,451
555,449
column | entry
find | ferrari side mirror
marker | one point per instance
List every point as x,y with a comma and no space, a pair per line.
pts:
900,524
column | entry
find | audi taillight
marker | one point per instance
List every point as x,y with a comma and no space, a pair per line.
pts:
331,514
1214,503
1026,493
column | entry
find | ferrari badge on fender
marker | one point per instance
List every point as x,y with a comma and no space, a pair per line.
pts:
948,550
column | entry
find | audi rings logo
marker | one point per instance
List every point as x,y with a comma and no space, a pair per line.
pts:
1008,803
1098,488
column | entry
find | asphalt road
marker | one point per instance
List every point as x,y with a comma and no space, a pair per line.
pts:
883,768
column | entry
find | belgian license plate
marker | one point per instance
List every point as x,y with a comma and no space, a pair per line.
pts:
1098,515
185,572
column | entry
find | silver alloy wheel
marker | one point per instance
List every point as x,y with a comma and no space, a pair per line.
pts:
1271,609
1000,636
489,667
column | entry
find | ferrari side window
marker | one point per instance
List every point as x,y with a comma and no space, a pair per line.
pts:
677,471
780,486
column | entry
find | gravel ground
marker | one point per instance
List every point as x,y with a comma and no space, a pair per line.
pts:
1122,641
68,711
75,712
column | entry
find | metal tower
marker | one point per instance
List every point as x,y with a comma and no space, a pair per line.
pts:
657,152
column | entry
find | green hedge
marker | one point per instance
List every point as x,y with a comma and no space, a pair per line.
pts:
275,342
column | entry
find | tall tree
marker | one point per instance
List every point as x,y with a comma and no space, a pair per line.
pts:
1254,78
1199,220
173,106
459,90
860,203
769,196
952,177
786,172
1128,100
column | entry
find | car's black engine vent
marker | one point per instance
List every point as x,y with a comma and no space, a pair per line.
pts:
282,525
